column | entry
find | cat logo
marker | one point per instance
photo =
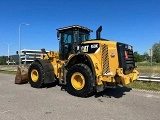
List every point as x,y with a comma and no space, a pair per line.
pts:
85,48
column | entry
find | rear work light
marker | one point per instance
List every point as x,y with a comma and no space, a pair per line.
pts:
126,55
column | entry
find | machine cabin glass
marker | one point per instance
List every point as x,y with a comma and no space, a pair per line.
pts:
69,38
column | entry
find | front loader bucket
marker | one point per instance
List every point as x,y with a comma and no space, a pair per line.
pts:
21,75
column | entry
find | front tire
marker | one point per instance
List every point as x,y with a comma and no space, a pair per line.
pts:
36,75
80,80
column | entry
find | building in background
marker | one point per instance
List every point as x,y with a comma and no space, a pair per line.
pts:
27,56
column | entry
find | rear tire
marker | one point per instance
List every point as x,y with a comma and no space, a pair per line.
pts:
80,80
36,75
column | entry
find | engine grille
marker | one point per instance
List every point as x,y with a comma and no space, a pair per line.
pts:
126,58
105,59
130,59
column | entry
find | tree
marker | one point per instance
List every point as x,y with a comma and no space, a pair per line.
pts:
3,60
146,56
156,52
138,57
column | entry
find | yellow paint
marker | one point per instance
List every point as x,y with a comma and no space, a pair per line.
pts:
78,81
57,64
34,75
126,79
115,74
112,49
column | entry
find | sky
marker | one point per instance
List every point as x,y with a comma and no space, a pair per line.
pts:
135,22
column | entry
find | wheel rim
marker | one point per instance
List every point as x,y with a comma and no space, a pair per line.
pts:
77,81
34,75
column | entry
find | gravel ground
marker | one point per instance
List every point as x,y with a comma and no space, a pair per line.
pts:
8,68
21,102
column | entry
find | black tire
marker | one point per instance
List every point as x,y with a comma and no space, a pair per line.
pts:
88,78
35,66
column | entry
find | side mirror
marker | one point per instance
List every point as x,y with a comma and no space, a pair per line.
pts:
17,52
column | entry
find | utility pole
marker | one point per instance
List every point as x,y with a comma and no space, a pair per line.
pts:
20,40
8,44
151,55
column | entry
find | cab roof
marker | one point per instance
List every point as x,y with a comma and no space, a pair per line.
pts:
75,26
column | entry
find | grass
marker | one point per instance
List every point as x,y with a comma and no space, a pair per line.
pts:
145,63
145,67
148,69
8,72
155,86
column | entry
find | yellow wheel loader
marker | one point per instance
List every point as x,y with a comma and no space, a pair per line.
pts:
84,65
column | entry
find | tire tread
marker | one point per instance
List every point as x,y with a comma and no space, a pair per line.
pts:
91,80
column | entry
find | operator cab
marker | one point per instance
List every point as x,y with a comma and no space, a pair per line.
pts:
69,38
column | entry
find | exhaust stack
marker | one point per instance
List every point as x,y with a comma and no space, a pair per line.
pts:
98,33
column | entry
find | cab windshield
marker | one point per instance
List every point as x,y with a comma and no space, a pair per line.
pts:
76,37
83,36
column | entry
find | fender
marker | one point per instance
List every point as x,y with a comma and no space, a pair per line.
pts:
81,58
